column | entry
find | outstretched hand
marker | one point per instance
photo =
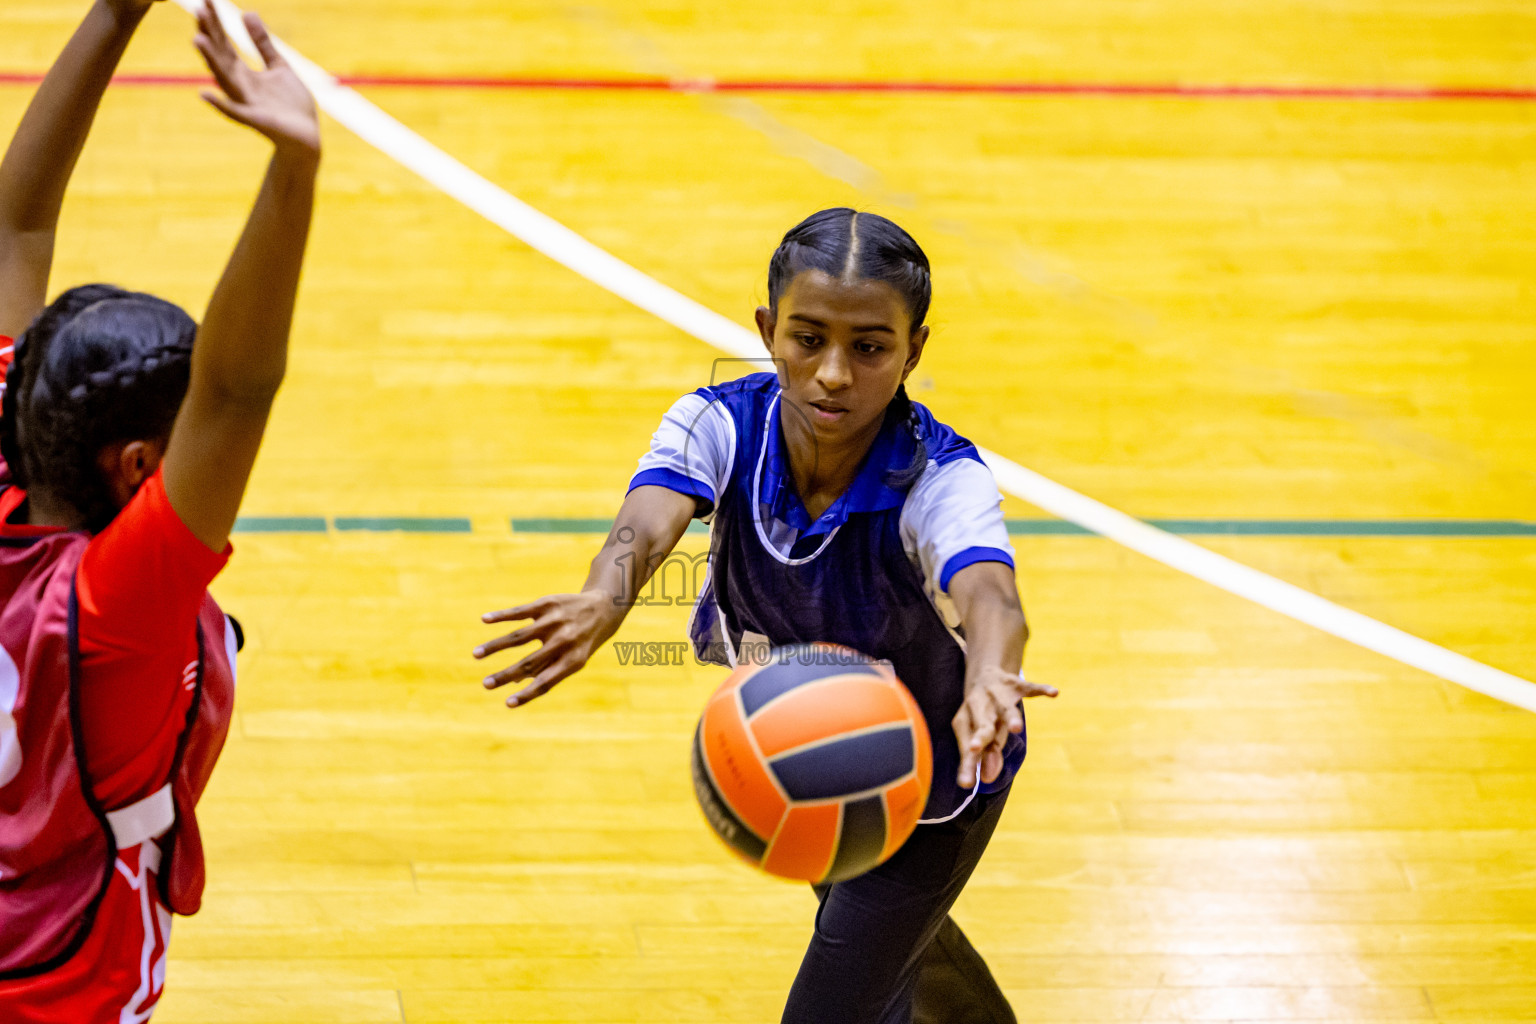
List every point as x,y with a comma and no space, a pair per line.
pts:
273,101
989,715
570,626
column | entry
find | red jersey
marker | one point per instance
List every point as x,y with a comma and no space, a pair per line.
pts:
115,707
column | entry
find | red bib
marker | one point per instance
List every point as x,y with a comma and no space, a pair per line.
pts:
57,844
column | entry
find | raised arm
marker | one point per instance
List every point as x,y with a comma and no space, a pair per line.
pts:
242,347
573,626
987,599
42,155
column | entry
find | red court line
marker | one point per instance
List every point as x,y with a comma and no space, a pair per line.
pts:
1172,90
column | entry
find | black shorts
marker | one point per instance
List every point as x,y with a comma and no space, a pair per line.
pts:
885,950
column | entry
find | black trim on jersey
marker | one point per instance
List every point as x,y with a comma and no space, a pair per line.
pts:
77,734
168,842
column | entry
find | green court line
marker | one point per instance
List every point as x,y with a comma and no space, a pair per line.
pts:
401,524
562,525
1350,527
280,524
1188,527
580,526
1018,527
1038,527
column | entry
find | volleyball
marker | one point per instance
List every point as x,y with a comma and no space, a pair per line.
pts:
814,765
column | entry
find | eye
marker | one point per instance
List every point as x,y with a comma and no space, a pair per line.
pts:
808,340
869,348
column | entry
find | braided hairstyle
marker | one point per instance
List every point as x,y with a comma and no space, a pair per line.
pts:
98,366
846,244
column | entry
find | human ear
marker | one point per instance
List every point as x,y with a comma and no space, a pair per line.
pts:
766,322
915,345
126,465
140,459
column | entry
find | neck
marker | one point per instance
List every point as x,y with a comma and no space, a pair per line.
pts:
46,509
822,471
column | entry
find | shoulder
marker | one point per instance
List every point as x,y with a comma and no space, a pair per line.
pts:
955,478
743,396
743,404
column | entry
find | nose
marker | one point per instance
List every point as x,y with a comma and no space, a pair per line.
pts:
834,371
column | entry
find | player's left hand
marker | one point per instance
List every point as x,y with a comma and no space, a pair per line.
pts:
274,102
989,715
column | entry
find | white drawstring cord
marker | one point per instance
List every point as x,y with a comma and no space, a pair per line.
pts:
974,790
956,812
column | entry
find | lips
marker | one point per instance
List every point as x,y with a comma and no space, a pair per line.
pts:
830,408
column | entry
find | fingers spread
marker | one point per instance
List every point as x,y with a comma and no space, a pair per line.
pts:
964,725
263,41
991,766
1010,716
208,21
541,685
235,112
523,611
219,55
516,638
984,714
224,66
531,665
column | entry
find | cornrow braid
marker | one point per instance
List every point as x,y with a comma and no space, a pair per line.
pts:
846,244
101,365
33,340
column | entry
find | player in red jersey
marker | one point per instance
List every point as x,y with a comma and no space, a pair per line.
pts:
128,434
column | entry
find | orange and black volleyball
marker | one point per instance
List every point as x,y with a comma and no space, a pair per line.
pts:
814,765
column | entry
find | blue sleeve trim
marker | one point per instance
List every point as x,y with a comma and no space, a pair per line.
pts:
970,556
672,480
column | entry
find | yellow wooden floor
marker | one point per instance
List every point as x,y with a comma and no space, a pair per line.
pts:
1233,308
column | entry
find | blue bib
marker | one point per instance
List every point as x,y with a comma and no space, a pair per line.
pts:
847,578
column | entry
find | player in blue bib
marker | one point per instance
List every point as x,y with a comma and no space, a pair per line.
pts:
839,511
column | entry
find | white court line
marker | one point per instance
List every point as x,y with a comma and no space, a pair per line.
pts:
602,268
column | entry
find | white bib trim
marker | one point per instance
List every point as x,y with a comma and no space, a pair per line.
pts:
149,818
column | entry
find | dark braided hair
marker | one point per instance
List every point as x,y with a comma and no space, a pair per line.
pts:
100,365
846,244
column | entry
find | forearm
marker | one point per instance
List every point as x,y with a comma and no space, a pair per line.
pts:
995,635
53,131
649,524
635,548
987,598
239,357
242,348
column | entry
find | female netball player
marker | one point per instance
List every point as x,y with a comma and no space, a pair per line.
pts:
843,512
128,434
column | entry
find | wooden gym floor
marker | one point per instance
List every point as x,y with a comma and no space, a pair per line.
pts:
1311,306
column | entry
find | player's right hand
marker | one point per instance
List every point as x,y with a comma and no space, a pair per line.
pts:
274,102
571,626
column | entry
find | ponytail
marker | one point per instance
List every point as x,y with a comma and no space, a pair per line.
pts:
902,411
